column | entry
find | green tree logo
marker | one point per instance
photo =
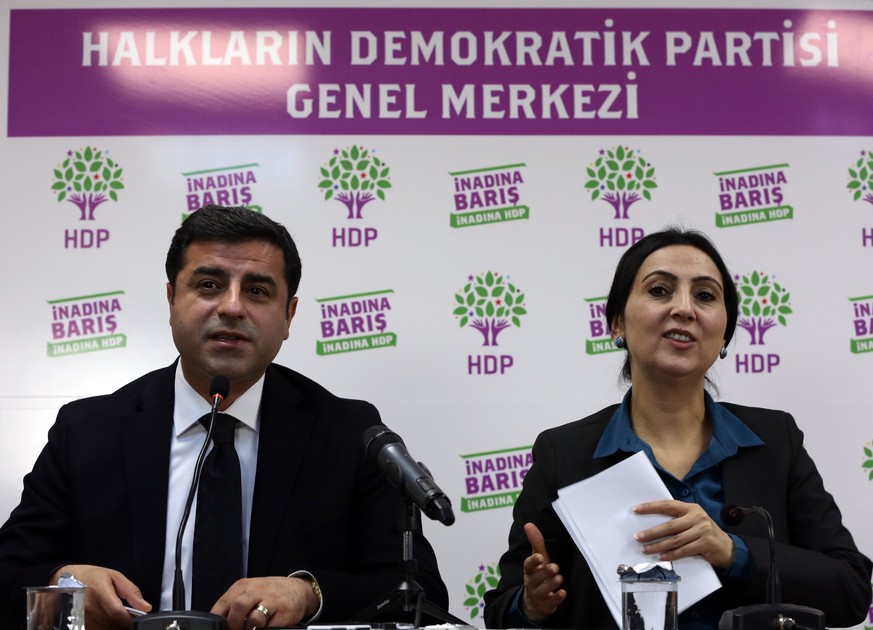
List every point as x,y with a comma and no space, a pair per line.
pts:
620,178
490,303
763,305
354,176
861,178
86,178
485,580
867,464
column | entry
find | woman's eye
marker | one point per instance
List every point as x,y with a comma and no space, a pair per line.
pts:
657,290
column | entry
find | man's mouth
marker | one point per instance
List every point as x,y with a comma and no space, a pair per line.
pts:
226,337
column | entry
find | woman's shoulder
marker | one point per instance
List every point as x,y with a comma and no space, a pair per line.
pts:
761,419
753,412
595,423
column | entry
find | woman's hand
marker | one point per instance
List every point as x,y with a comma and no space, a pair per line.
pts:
689,532
542,579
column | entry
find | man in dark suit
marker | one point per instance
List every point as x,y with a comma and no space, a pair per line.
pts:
320,521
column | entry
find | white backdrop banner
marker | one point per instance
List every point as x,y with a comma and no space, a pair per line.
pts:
461,183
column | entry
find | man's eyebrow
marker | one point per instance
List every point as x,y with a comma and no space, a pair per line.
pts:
209,271
258,278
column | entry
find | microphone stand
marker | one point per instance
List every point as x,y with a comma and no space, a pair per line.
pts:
408,595
774,614
178,618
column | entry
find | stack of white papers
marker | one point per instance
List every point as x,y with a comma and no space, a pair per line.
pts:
598,514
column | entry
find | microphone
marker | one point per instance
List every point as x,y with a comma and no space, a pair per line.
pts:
178,617
734,515
388,452
773,614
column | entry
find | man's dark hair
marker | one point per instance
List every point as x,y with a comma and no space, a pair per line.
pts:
233,224
636,254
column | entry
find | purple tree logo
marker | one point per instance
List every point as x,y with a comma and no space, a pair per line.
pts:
861,178
354,176
620,178
87,178
763,305
484,581
867,464
490,304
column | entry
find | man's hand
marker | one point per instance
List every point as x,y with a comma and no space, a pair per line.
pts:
542,579
106,588
287,600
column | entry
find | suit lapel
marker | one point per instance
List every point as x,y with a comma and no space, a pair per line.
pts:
147,431
284,434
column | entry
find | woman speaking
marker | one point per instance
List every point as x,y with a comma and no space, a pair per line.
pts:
673,308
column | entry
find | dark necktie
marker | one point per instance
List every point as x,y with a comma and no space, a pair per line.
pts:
217,554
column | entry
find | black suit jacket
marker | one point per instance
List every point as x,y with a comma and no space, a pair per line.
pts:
819,564
98,495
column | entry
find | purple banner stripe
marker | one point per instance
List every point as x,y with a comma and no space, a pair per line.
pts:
439,71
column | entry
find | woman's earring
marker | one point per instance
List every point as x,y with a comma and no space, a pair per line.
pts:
722,354
619,342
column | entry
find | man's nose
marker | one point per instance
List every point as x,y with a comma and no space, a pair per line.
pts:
231,302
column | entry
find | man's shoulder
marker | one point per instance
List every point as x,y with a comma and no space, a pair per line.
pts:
150,387
309,391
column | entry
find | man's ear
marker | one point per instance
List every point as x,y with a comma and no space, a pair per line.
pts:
292,311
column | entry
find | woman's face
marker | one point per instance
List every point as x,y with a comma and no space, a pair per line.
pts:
675,317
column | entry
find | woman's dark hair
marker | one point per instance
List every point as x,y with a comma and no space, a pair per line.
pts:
636,254
233,224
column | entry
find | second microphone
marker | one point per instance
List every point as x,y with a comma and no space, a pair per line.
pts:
388,451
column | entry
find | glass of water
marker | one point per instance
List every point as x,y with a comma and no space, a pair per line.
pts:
649,596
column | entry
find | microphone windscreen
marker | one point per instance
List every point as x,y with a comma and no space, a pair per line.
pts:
377,437
732,514
220,387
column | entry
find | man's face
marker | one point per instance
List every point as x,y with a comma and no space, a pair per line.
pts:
229,312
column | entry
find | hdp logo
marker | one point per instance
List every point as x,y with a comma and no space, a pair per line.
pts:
485,580
764,304
86,178
488,195
862,311
85,323
867,464
354,176
355,322
493,480
225,186
752,195
600,339
861,186
620,178
489,303
861,178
